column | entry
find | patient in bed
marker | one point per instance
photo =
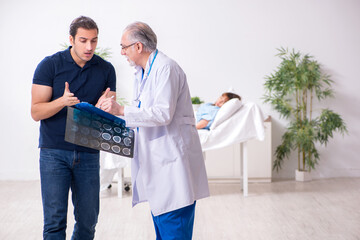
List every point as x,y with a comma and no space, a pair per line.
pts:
206,113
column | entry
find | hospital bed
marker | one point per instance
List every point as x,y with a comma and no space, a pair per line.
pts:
112,167
234,123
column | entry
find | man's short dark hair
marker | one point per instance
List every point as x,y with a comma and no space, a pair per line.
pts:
82,22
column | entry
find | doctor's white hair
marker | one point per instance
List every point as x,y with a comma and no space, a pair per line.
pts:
141,32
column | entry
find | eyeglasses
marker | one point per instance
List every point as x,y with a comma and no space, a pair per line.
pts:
125,47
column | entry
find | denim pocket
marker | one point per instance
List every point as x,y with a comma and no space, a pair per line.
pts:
52,161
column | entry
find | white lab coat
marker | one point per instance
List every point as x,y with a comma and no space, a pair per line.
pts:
168,169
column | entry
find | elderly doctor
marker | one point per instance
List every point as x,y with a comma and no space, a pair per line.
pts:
168,168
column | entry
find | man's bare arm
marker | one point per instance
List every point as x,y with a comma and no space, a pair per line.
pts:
43,108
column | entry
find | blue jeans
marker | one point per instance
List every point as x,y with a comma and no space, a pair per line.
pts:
175,225
61,170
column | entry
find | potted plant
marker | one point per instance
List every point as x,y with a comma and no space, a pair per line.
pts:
104,53
291,90
196,102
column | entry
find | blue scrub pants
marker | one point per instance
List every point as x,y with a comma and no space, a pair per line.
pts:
175,225
60,171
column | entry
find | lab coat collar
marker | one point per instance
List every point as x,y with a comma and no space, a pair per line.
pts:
151,57
139,68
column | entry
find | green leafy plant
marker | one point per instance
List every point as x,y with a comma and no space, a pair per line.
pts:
196,100
291,90
104,53
122,101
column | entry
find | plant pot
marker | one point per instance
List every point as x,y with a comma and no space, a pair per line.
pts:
302,176
196,107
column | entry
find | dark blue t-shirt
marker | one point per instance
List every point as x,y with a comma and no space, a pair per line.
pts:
87,84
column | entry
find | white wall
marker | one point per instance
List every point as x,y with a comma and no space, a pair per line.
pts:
218,43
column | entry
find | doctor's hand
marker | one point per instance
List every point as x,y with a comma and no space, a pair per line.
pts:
103,97
68,99
111,106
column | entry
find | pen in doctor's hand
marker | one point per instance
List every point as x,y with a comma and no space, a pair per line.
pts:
107,98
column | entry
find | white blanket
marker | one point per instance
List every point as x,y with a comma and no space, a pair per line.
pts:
246,123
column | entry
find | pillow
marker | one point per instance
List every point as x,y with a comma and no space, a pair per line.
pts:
226,111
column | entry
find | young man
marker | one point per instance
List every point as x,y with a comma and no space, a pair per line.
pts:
168,168
65,79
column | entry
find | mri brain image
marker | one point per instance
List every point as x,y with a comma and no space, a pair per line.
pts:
93,131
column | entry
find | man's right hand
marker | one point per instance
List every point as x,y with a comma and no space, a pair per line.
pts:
41,105
68,98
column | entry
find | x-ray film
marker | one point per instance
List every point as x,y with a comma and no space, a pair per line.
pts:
91,127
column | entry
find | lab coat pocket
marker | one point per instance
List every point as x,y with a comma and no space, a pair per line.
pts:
187,135
164,150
